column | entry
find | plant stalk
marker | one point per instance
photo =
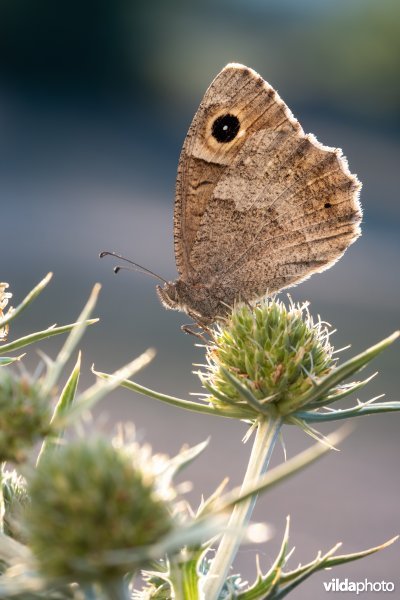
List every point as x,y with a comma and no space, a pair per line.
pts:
184,577
264,442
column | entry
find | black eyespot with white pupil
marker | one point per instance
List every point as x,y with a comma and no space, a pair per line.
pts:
225,128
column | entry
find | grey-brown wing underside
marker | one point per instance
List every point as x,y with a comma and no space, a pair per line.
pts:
286,207
204,161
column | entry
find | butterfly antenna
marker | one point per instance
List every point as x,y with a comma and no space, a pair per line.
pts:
137,267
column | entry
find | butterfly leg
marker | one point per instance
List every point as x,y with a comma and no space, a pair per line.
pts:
190,331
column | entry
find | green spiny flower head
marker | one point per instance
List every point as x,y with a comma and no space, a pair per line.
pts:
89,498
25,413
274,351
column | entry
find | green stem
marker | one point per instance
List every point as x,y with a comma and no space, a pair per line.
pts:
265,439
184,577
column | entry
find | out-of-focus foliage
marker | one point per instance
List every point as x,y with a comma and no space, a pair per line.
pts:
315,51
359,49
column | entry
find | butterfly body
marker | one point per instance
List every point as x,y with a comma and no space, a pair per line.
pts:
259,205
203,303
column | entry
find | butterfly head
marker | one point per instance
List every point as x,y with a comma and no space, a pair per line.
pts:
181,295
168,295
201,302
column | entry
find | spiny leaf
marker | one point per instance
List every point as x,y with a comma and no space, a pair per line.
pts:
40,335
338,374
65,401
27,300
56,368
360,410
8,360
178,402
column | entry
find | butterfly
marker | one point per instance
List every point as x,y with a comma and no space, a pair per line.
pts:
259,206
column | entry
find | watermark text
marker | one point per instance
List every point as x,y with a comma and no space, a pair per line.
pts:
346,585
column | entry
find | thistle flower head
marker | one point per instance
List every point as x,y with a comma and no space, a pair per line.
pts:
87,499
273,351
25,414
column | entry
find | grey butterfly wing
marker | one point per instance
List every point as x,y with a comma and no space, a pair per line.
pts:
282,208
285,209
241,93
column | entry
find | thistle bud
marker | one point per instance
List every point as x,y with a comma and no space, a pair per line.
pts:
87,499
273,351
25,414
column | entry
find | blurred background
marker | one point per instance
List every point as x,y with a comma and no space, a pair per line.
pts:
95,100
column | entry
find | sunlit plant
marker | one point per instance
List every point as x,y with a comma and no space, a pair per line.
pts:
86,516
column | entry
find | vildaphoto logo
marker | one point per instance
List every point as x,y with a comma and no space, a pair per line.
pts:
345,585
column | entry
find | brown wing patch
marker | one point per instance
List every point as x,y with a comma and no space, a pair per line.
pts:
208,151
285,208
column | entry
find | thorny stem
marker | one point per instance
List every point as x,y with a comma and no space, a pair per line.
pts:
265,439
184,578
